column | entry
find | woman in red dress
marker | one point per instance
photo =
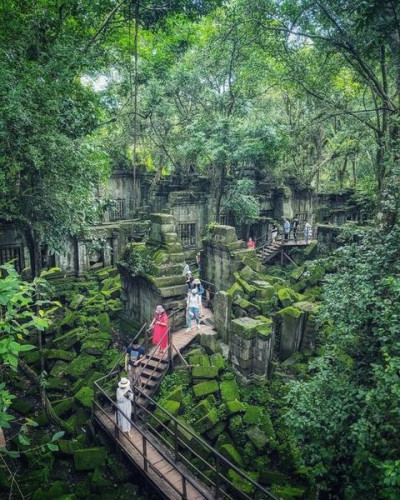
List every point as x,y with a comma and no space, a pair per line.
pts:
160,327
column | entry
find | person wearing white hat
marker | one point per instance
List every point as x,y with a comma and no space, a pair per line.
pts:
124,405
193,309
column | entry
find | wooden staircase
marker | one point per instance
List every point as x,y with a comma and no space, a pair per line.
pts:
268,252
150,373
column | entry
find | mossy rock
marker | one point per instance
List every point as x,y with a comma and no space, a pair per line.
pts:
207,422
21,406
310,251
287,492
202,408
215,431
229,390
59,354
289,313
59,369
264,290
69,447
232,454
80,366
58,489
245,327
266,426
60,408
250,259
218,361
84,397
247,274
204,388
247,288
69,339
118,469
252,415
90,458
200,360
257,437
296,275
104,322
235,407
287,297
78,419
273,477
114,307
264,331
87,381
250,308
68,321
223,438
171,407
240,482
57,384
95,347
111,283
236,291
176,394
207,372
31,357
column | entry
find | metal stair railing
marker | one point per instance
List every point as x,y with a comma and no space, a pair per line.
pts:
143,418
137,336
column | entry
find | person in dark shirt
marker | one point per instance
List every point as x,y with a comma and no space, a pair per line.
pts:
133,355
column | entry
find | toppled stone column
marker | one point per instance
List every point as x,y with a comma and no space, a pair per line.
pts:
151,273
219,258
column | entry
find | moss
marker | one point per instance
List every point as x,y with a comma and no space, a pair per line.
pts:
240,483
248,306
78,419
95,347
287,492
235,407
273,477
250,290
257,437
69,339
223,439
207,422
252,415
218,361
208,372
59,369
80,366
77,301
104,322
69,447
287,297
31,357
229,390
245,327
85,397
290,312
59,354
215,431
21,406
68,321
56,384
296,275
171,407
237,430
232,454
267,427
202,408
60,408
89,458
176,394
236,291
111,283
247,274
201,360
204,388
266,306
264,331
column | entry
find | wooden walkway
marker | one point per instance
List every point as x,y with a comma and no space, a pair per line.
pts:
168,476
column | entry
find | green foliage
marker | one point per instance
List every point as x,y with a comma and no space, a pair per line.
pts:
241,203
345,417
137,260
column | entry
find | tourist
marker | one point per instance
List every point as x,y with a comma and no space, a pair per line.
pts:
186,269
124,405
286,228
274,233
133,355
200,290
189,280
160,328
307,232
193,309
251,245
295,228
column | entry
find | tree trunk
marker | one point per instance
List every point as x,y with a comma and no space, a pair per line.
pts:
33,243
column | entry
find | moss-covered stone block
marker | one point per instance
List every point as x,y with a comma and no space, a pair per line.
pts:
69,339
236,291
104,322
264,290
169,406
287,492
69,447
80,366
84,397
287,297
296,275
247,274
241,483
223,439
60,409
245,327
257,437
95,347
78,419
218,361
207,372
31,357
267,306
200,360
215,431
232,454
204,388
207,422
59,354
266,426
59,369
235,407
202,408
247,288
250,308
264,331
90,458
68,321
21,406
252,415
76,301
237,430
57,384
310,251
229,390
176,394
273,477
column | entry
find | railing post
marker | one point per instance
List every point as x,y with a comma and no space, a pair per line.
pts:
184,492
134,403
146,339
217,479
144,443
171,363
176,450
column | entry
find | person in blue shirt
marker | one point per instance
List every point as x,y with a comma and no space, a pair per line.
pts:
133,355
286,228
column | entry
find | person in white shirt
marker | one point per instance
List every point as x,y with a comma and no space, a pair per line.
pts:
193,309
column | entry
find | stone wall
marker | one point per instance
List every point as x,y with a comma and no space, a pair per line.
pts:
327,238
